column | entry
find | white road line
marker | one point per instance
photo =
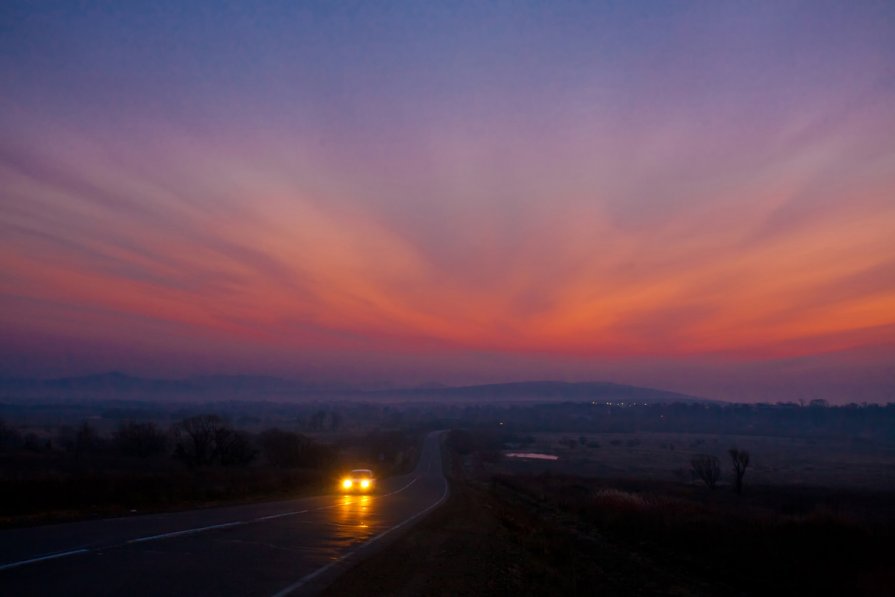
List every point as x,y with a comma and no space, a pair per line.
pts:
412,481
194,531
283,515
188,531
51,556
306,579
250,521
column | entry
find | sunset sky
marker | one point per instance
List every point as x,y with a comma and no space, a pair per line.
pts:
696,196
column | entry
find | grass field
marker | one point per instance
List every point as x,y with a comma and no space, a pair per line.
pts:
558,534
839,462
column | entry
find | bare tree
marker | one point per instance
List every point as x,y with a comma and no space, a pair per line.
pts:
285,449
195,439
208,439
740,460
707,468
234,448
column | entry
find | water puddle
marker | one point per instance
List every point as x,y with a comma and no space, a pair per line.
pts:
531,456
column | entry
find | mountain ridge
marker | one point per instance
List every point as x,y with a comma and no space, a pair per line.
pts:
234,387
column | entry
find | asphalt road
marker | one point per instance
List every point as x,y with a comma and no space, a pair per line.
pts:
274,548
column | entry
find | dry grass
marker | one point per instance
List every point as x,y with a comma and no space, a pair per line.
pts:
566,535
834,462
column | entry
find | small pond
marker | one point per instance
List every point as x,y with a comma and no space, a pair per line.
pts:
531,456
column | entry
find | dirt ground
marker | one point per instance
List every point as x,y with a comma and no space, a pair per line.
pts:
834,462
484,543
536,536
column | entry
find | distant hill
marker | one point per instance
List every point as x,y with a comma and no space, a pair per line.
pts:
120,386
548,391
116,385
104,382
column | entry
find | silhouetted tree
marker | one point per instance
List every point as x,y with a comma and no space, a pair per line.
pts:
234,448
317,421
740,459
335,421
10,438
207,439
140,440
286,449
196,437
391,448
86,440
707,468
33,443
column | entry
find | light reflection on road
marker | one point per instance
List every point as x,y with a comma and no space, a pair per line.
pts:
354,518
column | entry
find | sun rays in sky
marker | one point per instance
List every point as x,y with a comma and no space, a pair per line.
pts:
544,189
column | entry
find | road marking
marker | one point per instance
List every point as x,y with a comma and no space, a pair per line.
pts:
188,531
181,533
250,521
283,515
306,579
412,481
51,556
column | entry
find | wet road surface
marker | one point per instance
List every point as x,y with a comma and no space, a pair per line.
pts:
273,548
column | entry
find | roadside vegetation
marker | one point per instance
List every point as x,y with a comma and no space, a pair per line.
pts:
560,534
722,462
66,472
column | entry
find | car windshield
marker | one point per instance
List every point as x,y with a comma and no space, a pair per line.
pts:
362,473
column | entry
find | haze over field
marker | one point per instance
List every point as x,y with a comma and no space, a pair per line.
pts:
699,198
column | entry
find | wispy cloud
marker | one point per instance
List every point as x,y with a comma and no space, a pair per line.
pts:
721,185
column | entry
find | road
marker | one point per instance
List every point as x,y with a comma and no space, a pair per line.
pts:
273,548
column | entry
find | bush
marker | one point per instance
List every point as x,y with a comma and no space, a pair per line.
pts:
394,451
235,449
205,440
707,468
140,440
10,438
85,443
285,449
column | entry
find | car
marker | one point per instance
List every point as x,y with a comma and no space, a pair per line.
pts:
360,480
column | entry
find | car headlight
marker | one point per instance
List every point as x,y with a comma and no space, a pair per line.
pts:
346,484
364,484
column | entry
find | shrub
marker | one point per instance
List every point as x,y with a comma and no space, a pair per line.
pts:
207,439
707,468
285,449
140,440
10,438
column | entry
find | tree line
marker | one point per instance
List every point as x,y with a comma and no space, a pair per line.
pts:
198,441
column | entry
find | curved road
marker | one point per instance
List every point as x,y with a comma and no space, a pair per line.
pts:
274,548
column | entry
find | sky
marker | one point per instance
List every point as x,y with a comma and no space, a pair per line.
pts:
698,196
